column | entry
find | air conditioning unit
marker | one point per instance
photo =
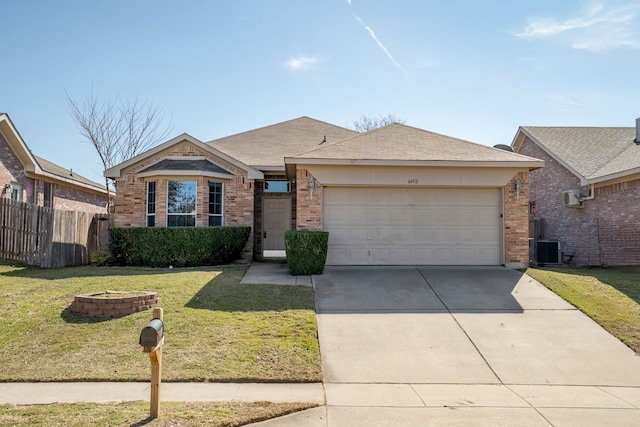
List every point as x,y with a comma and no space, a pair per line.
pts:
549,252
572,198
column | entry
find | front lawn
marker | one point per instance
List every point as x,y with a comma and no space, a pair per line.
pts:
215,328
610,296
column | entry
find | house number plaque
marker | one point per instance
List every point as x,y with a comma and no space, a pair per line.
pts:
413,181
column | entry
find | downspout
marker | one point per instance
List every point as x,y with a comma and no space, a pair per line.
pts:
592,194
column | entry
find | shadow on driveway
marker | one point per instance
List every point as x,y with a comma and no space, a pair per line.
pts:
417,290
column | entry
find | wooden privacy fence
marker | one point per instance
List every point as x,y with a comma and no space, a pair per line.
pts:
48,237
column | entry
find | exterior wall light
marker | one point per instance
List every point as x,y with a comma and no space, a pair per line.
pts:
312,187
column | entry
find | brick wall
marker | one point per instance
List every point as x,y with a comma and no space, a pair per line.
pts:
602,232
73,199
130,204
309,209
516,222
11,169
619,223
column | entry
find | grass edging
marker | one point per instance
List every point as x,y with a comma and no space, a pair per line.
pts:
609,296
220,414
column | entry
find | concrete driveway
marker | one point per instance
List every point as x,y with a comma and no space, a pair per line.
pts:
408,345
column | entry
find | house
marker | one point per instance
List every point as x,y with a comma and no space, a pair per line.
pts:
29,178
587,197
395,195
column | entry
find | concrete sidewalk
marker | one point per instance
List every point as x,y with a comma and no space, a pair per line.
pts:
47,393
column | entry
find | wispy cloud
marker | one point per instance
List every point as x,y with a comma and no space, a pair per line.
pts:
301,63
379,43
597,29
564,102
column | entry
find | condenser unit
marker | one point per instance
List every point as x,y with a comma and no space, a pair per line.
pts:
572,198
549,252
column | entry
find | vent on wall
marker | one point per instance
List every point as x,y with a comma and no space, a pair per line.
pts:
572,198
549,252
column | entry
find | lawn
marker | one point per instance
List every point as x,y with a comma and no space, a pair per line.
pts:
215,328
610,296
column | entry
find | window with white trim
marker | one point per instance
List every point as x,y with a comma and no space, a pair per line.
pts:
16,191
215,204
151,204
181,204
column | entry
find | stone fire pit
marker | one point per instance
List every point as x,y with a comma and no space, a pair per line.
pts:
111,304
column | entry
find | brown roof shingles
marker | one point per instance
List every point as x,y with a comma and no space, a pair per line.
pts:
67,174
406,143
593,152
268,146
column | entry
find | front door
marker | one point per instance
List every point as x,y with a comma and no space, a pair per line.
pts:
276,220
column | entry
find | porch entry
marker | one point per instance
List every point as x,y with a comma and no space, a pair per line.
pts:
276,220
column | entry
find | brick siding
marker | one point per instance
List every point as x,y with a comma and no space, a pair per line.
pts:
604,231
309,208
516,222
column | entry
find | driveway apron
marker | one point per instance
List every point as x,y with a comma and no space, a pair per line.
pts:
462,325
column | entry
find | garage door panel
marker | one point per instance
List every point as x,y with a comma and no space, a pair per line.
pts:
378,216
413,226
400,217
422,256
423,234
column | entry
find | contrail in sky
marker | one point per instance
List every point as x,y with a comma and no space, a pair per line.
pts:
379,43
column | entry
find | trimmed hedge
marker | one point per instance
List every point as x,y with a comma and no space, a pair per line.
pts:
306,251
176,246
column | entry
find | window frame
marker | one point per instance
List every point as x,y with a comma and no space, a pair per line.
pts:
268,181
215,204
16,192
192,214
151,216
47,194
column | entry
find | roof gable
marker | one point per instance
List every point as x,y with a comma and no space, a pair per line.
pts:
593,154
266,147
117,171
17,144
40,166
401,143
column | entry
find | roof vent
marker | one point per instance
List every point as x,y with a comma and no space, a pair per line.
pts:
638,130
503,147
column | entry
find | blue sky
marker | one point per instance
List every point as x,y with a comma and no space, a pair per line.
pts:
470,69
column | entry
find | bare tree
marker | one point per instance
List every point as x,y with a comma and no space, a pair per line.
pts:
117,129
366,123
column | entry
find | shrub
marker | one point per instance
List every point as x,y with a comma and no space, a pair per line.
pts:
176,246
99,258
306,251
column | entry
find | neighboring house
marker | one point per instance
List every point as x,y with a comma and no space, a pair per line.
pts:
29,178
395,195
588,194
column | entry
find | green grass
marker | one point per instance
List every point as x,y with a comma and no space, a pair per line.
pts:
136,413
215,328
611,297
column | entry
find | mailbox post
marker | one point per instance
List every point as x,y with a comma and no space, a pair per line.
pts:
152,339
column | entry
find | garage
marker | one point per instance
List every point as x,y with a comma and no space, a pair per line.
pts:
399,195
413,226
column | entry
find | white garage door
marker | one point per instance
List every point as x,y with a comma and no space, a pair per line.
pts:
412,226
